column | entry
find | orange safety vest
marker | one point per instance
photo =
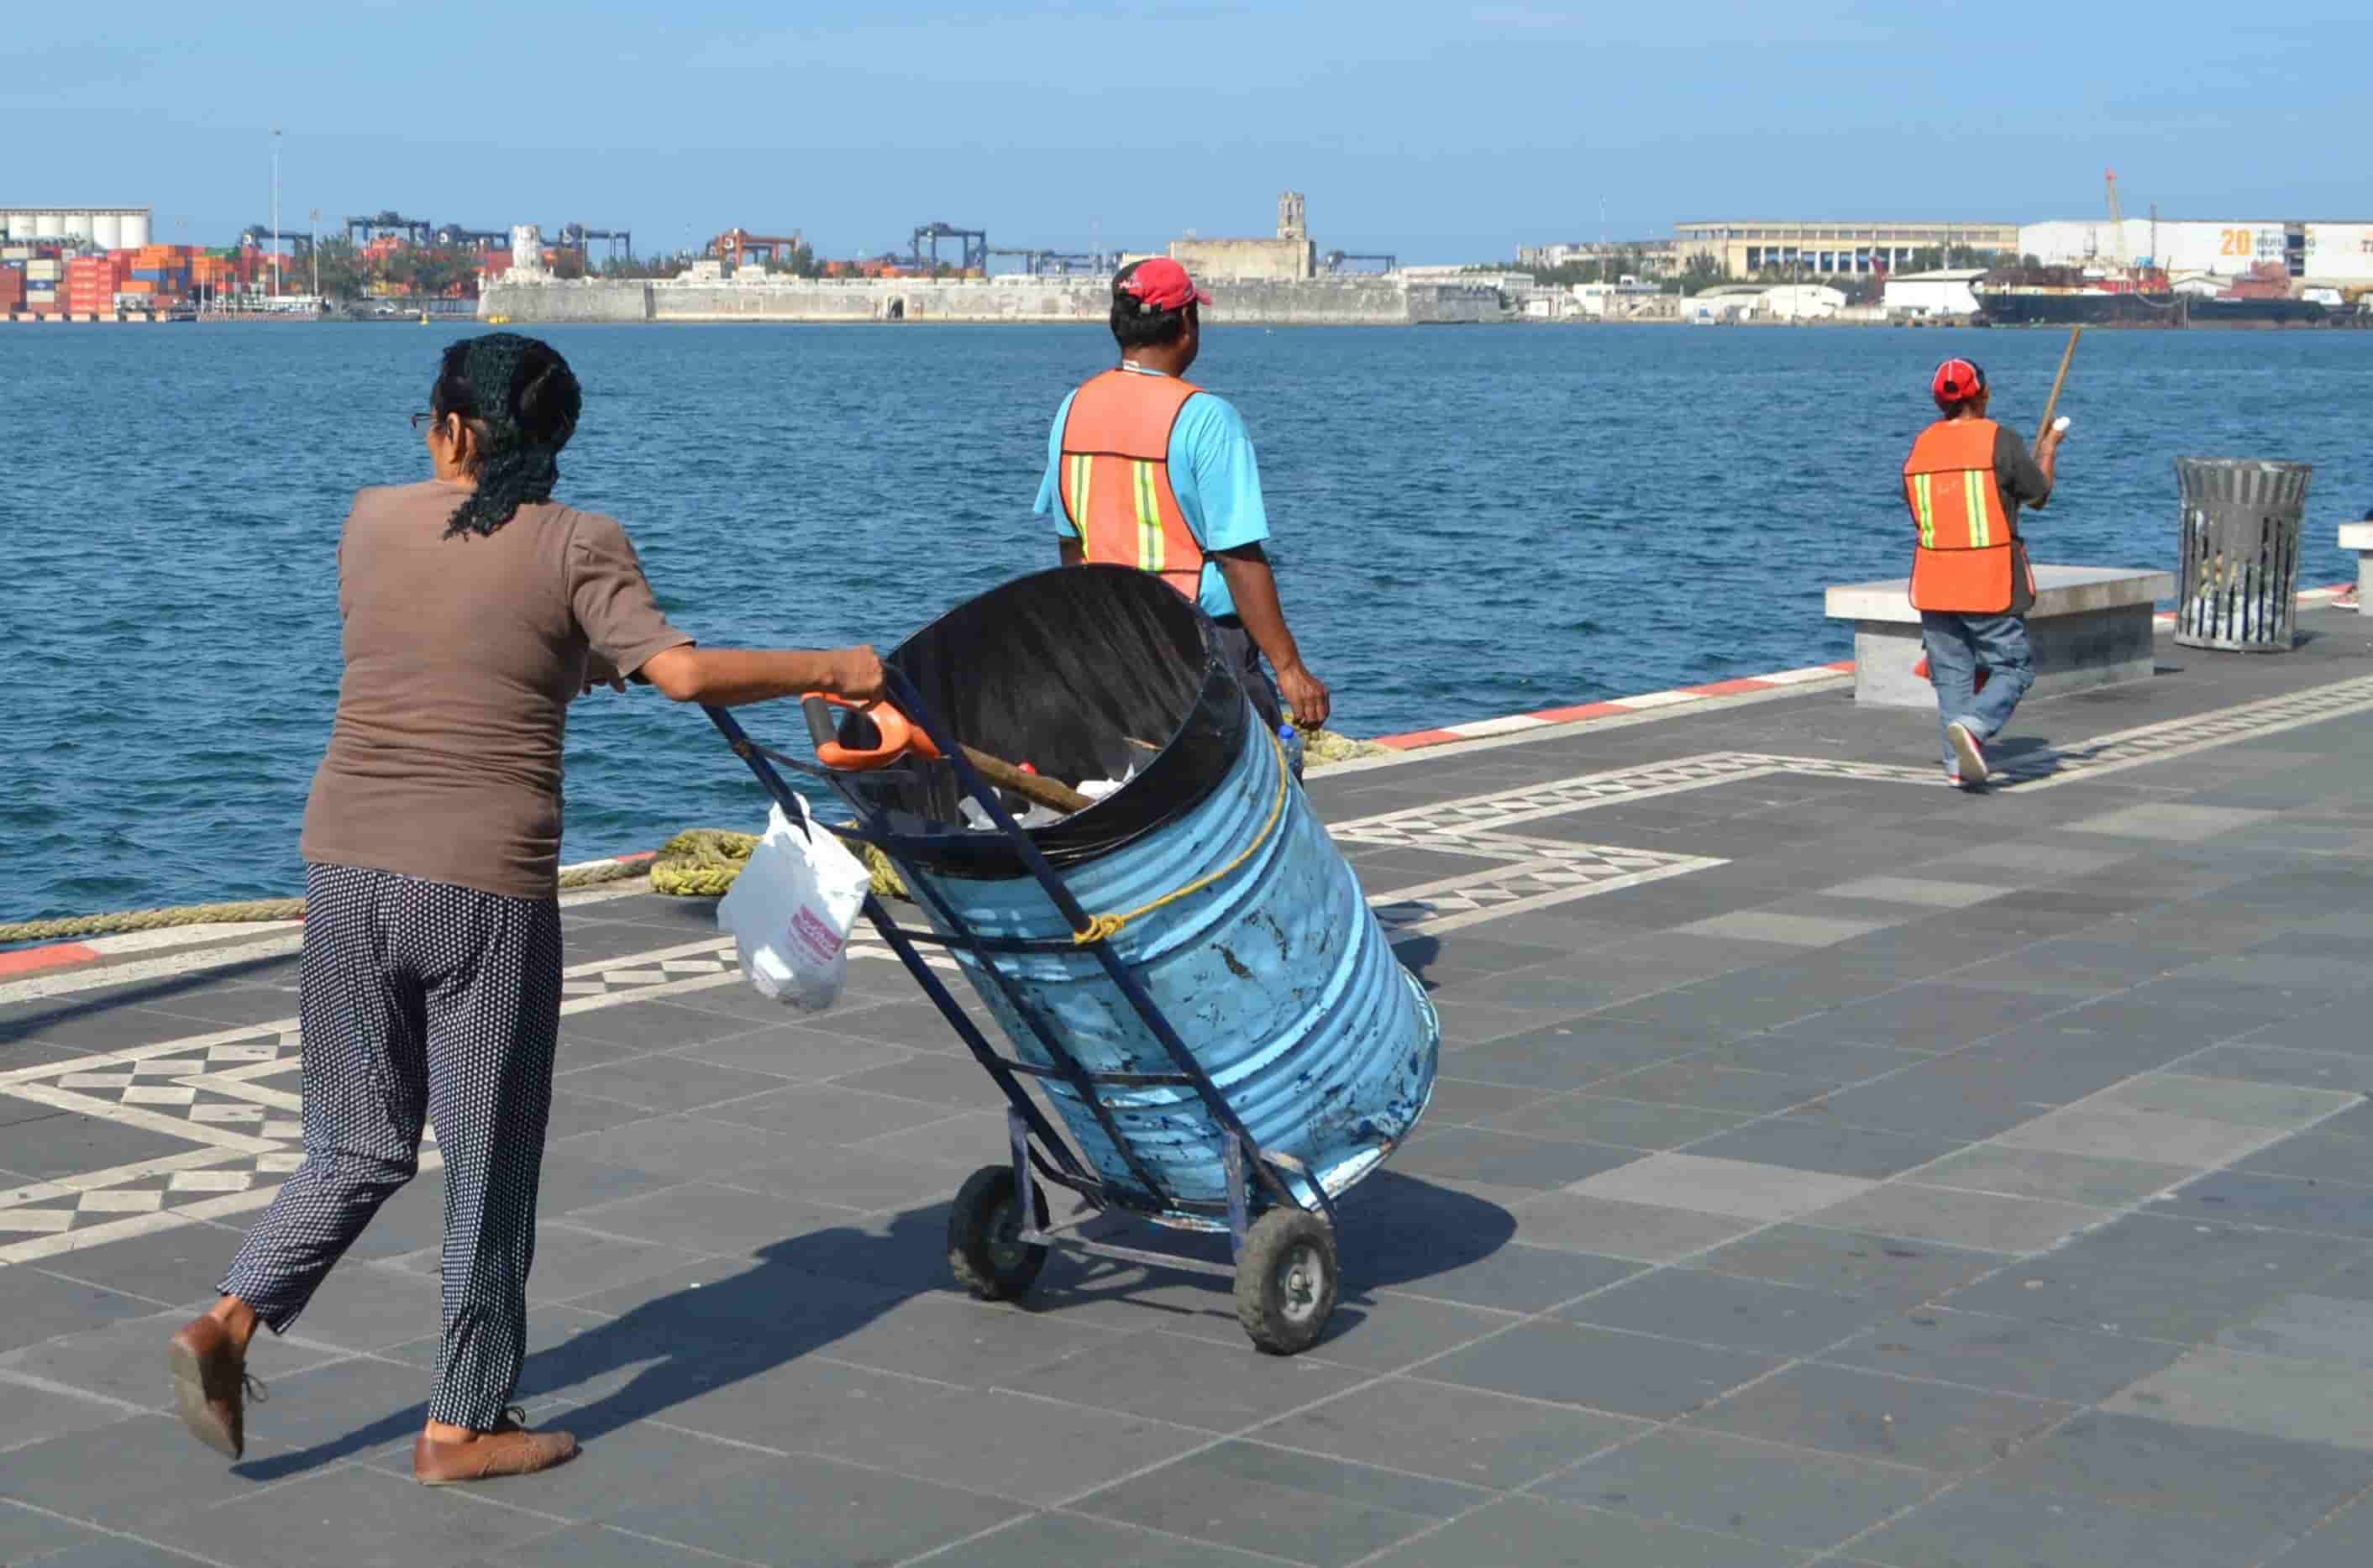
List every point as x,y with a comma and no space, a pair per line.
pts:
1969,556
1116,477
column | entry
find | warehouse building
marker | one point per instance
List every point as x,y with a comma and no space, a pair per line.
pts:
1746,249
2324,252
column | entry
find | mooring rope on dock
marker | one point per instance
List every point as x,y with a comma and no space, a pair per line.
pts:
700,862
247,912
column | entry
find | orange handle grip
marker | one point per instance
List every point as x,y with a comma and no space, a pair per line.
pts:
898,736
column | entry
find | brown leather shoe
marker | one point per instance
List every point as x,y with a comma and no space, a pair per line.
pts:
211,1386
509,1450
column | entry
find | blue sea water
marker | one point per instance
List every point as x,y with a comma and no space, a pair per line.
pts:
1467,522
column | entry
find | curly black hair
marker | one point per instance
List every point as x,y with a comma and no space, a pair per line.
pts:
521,400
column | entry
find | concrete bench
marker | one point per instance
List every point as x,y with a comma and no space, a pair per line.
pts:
2091,627
2358,536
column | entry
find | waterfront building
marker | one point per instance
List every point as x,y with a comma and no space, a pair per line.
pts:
2339,253
1290,257
1751,247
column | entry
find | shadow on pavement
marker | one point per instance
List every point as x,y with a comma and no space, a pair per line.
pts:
803,1294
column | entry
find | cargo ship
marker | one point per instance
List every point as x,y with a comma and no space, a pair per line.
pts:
2143,297
2021,296
2227,310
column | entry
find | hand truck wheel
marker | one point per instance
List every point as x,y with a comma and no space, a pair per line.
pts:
984,1228
1286,1279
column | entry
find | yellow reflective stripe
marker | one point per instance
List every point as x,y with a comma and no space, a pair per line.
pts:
1924,506
1973,485
1083,467
1149,520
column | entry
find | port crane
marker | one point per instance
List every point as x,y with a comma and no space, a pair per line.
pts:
736,246
975,243
576,237
2117,222
453,237
259,235
1342,260
388,225
1056,263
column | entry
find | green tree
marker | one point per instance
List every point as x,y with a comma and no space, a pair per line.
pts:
645,269
343,275
1702,273
440,271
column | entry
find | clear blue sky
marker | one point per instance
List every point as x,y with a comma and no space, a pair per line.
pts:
1443,132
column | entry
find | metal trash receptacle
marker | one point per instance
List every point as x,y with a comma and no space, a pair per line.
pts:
2238,586
1245,925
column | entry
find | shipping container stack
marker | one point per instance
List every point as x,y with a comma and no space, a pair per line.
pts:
30,275
91,285
44,276
154,278
54,278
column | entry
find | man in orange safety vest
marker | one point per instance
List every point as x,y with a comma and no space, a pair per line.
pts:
1964,481
1148,470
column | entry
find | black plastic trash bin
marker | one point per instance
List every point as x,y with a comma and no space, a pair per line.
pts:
2238,588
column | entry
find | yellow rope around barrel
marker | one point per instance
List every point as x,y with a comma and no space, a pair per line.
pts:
1103,928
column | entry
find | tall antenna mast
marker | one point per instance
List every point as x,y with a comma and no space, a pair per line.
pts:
2117,222
275,212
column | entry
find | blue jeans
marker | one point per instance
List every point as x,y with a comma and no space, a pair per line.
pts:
1958,645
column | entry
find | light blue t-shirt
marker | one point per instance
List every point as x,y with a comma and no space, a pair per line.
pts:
1212,472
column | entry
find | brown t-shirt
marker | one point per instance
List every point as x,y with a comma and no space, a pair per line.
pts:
461,658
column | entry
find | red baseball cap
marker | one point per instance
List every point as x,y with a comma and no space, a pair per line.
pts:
1958,381
1163,284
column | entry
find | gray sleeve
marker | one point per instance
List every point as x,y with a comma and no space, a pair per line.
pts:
2022,482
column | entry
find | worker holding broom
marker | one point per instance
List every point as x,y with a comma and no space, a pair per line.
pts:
1145,469
1964,481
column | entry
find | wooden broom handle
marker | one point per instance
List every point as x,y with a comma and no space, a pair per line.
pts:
2058,382
1029,786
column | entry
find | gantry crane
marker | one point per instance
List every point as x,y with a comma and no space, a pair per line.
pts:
974,240
737,245
577,237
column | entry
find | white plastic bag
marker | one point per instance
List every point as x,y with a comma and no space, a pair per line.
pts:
790,911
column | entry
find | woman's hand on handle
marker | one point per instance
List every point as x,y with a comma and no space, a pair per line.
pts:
857,674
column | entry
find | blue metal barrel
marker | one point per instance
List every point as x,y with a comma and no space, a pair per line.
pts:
1276,975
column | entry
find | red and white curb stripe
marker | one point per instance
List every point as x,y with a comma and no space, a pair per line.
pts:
25,961
1515,723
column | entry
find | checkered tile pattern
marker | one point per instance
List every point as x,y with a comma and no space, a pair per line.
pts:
2157,742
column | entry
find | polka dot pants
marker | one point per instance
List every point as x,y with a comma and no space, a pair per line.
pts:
420,1000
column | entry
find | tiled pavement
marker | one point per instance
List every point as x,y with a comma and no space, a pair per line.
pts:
1827,1167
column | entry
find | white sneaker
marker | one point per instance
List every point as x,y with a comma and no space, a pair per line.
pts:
1968,751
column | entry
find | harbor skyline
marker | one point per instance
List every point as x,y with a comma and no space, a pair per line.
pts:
1437,136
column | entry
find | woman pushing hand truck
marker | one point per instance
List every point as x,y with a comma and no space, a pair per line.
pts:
476,608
